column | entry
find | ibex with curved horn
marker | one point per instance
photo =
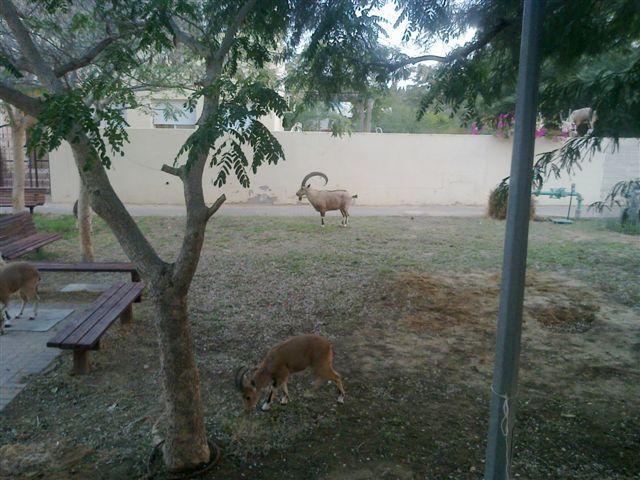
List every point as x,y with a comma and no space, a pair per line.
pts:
293,355
326,200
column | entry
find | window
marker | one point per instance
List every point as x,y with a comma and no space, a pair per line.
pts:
173,114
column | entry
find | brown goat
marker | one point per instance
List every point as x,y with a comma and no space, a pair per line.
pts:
291,356
18,277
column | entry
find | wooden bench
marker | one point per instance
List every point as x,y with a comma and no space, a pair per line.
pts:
18,236
33,197
89,267
86,327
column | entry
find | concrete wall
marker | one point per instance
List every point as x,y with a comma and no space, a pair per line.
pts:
383,169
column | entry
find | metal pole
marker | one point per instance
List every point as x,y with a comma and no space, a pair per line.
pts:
505,374
573,191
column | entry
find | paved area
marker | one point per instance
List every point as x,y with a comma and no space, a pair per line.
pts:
307,210
21,354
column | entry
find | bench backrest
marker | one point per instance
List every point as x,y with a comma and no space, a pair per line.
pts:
32,196
15,227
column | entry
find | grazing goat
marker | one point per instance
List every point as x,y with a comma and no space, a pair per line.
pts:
326,200
17,277
291,356
578,117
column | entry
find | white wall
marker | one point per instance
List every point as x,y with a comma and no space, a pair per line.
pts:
383,169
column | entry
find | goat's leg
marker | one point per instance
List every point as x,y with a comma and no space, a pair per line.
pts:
328,373
285,391
3,312
322,218
36,301
23,299
267,404
343,223
6,318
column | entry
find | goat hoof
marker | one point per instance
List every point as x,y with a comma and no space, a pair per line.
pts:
265,407
32,317
284,401
341,399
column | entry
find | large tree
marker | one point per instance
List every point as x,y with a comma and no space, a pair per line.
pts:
84,88
589,58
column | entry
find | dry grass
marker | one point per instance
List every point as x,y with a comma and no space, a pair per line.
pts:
410,306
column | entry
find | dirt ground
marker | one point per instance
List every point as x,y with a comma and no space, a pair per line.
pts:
410,306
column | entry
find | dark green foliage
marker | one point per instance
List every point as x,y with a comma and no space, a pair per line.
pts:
499,200
590,58
587,61
618,196
62,114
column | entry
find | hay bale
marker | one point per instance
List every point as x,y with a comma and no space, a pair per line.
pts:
498,201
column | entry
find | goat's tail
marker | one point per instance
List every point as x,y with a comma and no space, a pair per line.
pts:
354,196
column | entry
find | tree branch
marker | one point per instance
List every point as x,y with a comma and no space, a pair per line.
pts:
22,36
106,203
216,205
172,170
458,53
230,34
86,58
184,38
18,99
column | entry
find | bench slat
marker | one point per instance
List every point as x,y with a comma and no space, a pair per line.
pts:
33,197
30,241
18,235
98,329
60,339
84,266
70,336
16,249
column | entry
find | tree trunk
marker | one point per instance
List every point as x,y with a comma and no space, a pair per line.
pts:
185,441
361,115
84,224
18,139
368,122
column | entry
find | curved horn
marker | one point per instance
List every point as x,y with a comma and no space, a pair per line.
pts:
239,377
315,174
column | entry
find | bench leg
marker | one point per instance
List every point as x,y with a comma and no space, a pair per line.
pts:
81,364
31,210
135,276
127,315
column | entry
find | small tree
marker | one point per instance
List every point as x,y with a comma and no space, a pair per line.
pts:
222,36
19,122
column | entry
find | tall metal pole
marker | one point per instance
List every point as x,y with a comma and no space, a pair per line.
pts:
505,374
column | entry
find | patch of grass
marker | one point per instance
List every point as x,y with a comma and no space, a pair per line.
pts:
612,224
42,255
410,306
65,225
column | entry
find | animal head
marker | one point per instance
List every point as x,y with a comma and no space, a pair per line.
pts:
304,187
246,385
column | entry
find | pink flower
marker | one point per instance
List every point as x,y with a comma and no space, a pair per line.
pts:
474,129
541,132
